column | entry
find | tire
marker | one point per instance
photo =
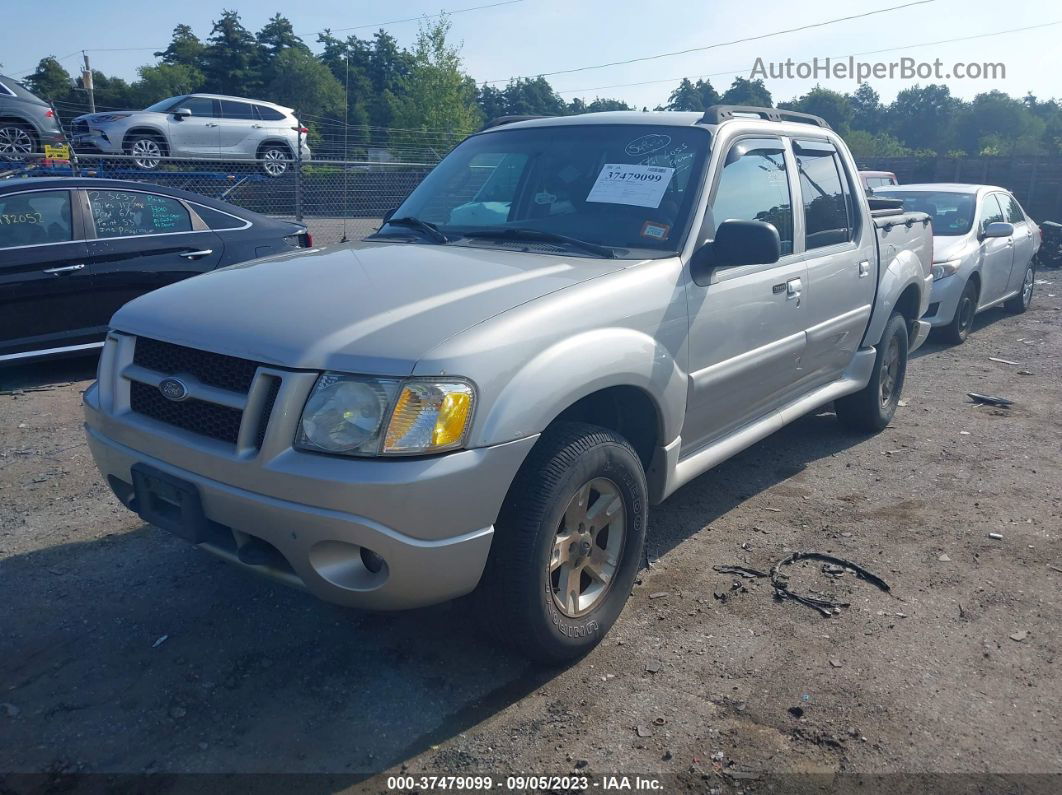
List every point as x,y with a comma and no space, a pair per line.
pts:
16,140
1019,303
873,407
958,329
275,160
146,150
575,472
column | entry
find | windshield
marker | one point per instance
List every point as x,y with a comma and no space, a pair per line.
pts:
952,212
623,186
164,104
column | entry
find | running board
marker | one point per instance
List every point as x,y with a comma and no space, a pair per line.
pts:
686,469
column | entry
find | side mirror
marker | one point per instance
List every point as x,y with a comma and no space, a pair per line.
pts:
736,243
998,229
387,216
180,113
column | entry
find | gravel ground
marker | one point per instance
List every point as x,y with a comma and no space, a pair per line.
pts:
124,650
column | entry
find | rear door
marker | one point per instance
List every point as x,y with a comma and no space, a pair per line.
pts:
997,252
841,260
44,284
747,326
240,129
143,241
197,135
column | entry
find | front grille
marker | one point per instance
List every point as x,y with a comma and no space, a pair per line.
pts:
215,369
195,416
267,410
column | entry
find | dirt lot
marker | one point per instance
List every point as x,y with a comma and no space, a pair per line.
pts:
124,650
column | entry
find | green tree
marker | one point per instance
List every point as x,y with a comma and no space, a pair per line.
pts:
867,110
231,62
830,105
868,144
997,124
274,39
50,80
747,92
185,49
924,117
601,105
692,96
164,80
304,83
532,97
438,95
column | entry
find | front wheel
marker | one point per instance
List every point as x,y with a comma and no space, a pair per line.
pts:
1021,301
568,543
958,329
147,151
873,407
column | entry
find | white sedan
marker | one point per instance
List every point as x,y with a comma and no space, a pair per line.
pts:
983,249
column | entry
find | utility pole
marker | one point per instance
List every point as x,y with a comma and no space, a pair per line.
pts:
86,81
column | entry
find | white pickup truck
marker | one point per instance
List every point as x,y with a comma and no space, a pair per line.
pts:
567,320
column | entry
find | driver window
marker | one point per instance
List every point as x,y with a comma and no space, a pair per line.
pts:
754,186
991,212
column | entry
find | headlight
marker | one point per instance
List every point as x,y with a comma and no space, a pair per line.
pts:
356,415
947,268
112,117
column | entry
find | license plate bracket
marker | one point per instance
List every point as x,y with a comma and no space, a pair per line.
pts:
169,502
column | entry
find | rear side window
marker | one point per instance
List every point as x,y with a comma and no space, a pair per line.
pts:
35,217
216,219
754,186
824,195
991,212
1015,215
268,114
230,109
125,214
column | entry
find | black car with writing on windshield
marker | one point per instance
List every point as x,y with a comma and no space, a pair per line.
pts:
73,251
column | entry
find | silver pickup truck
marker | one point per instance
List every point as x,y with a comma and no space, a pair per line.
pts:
566,321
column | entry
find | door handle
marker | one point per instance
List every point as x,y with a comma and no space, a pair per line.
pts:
211,124
65,269
257,126
197,254
793,287
864,268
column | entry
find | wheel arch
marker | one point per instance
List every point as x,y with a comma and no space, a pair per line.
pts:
273,142
154,132
903,288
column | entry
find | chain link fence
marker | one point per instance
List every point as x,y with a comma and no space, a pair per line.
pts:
353,175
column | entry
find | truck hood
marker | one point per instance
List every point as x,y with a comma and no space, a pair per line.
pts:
366,308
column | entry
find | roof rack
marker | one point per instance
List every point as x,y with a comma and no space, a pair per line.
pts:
500,120
720,113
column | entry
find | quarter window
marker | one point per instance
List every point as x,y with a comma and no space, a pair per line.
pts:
754,186
36,217
268,114
824,196
128,213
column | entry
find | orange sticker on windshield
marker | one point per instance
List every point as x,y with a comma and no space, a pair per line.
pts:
655,231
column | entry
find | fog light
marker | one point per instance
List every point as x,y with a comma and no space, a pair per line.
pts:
372,561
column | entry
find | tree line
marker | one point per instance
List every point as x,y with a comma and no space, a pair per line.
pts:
382,94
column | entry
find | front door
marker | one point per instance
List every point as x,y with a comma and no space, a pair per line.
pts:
44,284
143,241
747,326
997,253
197,135
841,258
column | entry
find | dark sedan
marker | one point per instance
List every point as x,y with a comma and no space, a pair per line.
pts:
73,250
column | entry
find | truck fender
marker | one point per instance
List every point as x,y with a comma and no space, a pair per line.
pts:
904,269
577,366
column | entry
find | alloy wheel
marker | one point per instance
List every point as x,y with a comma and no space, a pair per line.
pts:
146,153
15,140
587,547
890,371
274,162
1027,287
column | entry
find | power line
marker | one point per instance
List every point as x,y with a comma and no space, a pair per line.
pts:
849,55
744,40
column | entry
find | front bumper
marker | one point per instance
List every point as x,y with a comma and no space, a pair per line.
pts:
430,519
95,141
944,298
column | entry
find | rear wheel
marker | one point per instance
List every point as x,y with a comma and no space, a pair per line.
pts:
567,545
146,150
873,407
275,160
16,140
958,329
1021,301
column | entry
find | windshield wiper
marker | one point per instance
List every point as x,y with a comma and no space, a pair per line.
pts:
429,229
525,233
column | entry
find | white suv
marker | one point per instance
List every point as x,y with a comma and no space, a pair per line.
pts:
198,126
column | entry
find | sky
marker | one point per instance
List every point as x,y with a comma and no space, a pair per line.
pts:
532,37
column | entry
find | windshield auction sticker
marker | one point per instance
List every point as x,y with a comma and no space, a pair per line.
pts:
626,183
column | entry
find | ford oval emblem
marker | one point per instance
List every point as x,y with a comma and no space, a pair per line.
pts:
173,389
